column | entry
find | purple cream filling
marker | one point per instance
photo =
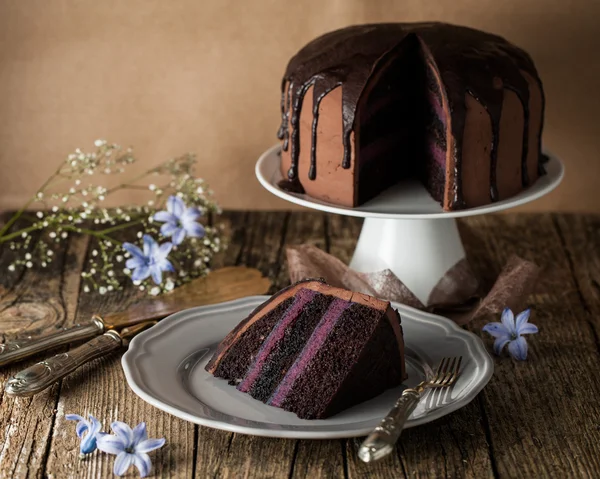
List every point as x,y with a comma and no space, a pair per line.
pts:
302,298
313,345
437,153
437,107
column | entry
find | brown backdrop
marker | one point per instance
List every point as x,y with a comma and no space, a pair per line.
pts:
190,75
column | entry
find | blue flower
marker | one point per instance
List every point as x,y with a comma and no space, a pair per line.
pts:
152,261
92,427
179,220
130,447
510,332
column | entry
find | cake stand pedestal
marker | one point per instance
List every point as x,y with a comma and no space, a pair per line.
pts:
405,229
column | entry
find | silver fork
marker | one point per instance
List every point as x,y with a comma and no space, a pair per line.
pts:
383,438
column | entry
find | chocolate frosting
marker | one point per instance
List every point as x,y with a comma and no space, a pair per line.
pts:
468,61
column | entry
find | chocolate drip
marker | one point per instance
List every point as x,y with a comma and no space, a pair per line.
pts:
297,99
319,93
467,60
284,108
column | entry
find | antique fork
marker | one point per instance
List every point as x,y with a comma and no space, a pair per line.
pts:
383,438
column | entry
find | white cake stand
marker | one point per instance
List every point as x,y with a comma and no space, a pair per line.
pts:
405,229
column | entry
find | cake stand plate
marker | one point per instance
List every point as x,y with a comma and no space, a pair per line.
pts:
405,229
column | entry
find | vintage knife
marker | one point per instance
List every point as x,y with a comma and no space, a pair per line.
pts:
220,285
42,375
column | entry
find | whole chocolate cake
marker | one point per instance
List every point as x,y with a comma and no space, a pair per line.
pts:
314,350
366,106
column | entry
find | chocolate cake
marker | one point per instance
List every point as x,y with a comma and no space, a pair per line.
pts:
366,106
314,350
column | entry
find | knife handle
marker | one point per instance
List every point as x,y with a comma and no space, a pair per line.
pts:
20,349
38,377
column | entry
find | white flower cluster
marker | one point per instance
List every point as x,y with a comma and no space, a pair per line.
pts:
71,203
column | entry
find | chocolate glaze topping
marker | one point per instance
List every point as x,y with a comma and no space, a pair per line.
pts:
468,60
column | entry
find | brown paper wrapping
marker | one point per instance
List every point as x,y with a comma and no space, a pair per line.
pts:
456,294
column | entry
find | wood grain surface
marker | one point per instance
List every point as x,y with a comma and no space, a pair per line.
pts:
539,418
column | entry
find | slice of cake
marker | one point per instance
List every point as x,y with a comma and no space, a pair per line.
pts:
314,350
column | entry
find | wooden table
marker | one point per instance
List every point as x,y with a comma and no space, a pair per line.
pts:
539,418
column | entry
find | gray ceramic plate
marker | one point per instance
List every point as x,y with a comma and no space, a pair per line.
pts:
165,367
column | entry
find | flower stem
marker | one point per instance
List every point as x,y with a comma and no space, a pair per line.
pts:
119,227
129,183
18,214
95,234
18,233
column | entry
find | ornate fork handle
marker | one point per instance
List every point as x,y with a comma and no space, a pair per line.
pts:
383,438
17,350
43,374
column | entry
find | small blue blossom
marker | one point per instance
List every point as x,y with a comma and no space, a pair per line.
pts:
179,220
152,261
92,427
510,332
130,447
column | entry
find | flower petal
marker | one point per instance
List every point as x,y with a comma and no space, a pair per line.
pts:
81,427
141,273
497,330
193,229
74,417
176,206
156,274
139,433
166,265
149,445
95,425
500,343
133,249
178,236
169,228
135,262
122,463
110,444
88,443
143,463
165,217
124,432
528,328
190,214
522,319
518,349
164,250
508,320
150,246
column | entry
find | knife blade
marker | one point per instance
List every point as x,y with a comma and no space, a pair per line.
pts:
42,375
220,285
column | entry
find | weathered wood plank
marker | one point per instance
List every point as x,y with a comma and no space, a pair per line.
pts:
319,460
580,235
36,302
541,413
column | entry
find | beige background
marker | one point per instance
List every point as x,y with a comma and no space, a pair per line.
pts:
190,75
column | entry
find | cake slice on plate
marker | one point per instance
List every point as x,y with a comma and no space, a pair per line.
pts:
314,350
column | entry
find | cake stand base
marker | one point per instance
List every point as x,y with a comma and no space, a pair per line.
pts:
419,251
